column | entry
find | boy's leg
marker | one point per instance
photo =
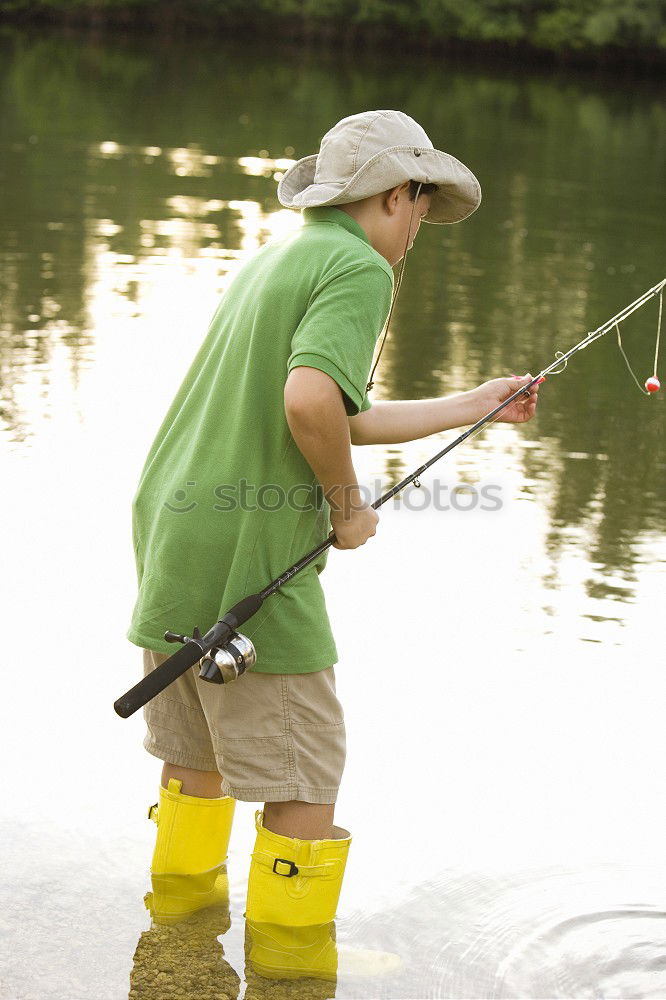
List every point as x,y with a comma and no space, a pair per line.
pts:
302,820
203,784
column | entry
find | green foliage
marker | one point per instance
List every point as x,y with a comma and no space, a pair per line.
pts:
600,23
555,25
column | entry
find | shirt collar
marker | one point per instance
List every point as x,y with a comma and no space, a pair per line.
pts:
337,217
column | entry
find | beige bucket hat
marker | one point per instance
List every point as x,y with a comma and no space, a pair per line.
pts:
374,151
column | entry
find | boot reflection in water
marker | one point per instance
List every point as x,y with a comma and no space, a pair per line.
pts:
293,892
180,955
290,963
184,961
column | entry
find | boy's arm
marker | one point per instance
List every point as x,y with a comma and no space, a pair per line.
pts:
317,420
395,421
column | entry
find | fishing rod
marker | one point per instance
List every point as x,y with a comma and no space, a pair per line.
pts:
224,654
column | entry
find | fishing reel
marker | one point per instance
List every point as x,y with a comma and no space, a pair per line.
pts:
222,664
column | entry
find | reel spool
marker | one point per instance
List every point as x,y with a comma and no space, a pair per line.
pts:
222,664
227,663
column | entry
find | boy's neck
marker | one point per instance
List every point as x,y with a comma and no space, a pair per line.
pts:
365,213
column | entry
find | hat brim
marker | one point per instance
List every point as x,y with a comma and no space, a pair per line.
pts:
458,191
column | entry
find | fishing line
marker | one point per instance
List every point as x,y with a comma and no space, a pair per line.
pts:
652,384
626,361
224,654
656,349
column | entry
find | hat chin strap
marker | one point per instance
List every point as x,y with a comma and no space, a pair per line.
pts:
396,289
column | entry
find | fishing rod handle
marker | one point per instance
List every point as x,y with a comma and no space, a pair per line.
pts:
181,661
157,680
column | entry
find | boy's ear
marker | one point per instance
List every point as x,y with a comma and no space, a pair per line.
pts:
392,195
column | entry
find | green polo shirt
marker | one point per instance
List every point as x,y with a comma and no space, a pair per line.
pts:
226,501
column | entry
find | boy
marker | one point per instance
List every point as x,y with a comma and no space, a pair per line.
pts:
270,406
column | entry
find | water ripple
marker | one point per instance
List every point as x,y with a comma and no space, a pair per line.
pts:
595,933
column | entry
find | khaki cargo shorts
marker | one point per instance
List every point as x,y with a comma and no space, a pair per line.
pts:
272,737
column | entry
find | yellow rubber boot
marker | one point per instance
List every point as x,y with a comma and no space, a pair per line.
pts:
187,870
293,892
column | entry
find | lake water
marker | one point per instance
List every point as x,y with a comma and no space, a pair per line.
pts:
502,671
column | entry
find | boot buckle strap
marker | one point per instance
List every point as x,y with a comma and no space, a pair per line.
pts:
278,866
293,869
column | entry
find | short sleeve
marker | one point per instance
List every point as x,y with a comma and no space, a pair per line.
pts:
340,328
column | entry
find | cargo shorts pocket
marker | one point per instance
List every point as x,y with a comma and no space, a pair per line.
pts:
255,762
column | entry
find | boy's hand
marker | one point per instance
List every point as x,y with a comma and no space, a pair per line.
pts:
353,524
490,394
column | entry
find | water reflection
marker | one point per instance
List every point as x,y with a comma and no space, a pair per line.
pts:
116,208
